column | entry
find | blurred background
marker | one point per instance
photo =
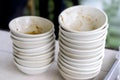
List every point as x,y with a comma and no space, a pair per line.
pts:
111,7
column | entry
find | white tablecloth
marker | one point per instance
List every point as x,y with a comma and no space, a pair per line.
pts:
8,71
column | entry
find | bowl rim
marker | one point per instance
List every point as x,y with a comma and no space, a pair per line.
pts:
83,33
78,50
34,49
81,64
101,56
77,68
31,39
33,61
79,72
69,76
81,6
71,45
41,56
31,68
61,35
28,35
81,55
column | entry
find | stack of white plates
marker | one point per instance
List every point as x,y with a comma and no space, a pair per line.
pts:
33,43
82,38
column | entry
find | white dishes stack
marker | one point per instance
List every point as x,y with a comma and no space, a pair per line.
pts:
82,38
33,43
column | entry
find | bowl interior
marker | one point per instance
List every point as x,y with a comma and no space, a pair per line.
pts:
82,18
30,25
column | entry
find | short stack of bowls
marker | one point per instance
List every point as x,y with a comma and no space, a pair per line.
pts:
33,43
82,38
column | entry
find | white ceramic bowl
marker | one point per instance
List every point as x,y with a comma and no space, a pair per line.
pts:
77,73
81,64
34,53
32,50
83,19
80,56
31,26
87,37
79,68
32,44
34,63
81,47
82,51
83,43
80,77
35,57
32,71
13,36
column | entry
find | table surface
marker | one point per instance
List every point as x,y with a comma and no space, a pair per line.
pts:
8,71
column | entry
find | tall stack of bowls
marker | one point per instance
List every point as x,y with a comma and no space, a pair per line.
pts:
33,43
82,36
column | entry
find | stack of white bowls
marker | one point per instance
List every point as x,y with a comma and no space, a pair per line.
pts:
82,38
33,43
